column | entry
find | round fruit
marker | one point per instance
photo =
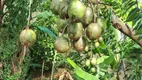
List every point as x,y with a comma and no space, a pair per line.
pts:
93,69
55,6
80,44
27,37
93,61
100,39
86,48
76,10
87,62
93,31
61,44
63,10
61,23
97,44
75,30
88,16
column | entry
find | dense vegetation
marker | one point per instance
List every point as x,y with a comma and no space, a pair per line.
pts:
56,39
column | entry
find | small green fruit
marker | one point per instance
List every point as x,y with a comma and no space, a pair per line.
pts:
97,44
93,69
87,62
100,39
93,61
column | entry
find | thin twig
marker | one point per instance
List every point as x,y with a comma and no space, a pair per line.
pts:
29,14
91,51
52,73
23,54
124,68
42,70
65,27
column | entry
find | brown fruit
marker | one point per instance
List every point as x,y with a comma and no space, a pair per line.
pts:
80,44
93,31
61,44
88,17
75,30
27,37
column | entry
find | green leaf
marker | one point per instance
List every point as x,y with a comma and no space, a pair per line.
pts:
46,30
82,74
132,14
105,61
129,6
101,59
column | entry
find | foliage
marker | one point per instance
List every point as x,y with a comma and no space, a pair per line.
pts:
116,54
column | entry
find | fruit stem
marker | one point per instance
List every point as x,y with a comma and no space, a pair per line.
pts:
65,27
93,12
23,55
29,14
91,51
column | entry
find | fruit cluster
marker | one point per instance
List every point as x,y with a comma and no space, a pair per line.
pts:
78,21
91,64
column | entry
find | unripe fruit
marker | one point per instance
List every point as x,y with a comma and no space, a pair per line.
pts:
87,62
93,31
93,69
88,17
100,39
93,61
61,44
76,10
97,44
80,44
75,30
27,37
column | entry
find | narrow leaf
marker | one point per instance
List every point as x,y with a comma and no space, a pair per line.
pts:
46,30
132,14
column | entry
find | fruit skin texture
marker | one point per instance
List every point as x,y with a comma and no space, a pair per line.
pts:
93,31
75,30
63,10
76,9
93,61
27,37
80,44
61,44
88,16
55,6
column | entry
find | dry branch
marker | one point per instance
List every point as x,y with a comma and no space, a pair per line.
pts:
125,29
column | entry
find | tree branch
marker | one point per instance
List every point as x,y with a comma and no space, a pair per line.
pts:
125,29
